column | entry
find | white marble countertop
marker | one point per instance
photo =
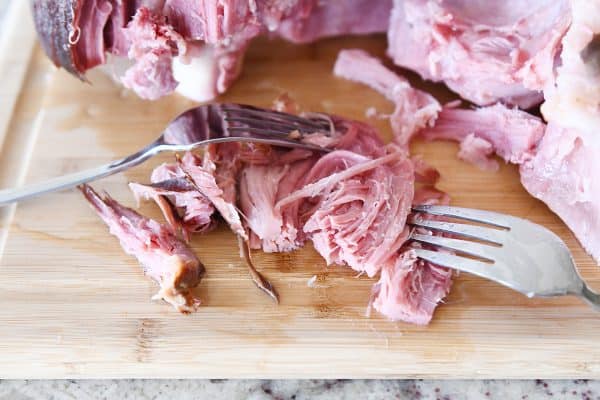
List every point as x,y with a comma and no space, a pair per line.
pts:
293,389
298,390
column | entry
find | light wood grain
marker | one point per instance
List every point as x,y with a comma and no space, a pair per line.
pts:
16,43
72,304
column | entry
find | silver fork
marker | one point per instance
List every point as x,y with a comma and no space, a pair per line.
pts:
512,251
213,123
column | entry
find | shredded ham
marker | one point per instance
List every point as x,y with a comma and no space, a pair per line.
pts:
361,214
415,109
261,187
351,203
206,181
170,189
177,197
163,256
409,289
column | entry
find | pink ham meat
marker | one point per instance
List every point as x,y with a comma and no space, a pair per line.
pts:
185,209
197,188
276,229
414,109
218,187
410,289
164,258
513,134
153,45
193,46
564,175
261,187
477,151
564,171
352,204
360,216
417,113
486,51
358,208
319,19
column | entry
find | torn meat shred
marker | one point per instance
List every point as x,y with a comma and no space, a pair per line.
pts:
185,208
165,258
197,187
261,187
206,180
415,109
513,133
410,289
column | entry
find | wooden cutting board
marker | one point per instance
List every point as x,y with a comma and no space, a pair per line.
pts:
72,304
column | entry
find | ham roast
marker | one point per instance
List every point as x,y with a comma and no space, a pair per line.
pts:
193,46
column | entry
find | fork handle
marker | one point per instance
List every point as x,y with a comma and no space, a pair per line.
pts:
590,297
8,196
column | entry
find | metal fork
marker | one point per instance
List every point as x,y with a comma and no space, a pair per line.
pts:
213,123
512,251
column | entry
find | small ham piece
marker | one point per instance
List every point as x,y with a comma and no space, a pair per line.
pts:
185,209
410,289
414,109
206,181
512,133
163,256
197,187
170,188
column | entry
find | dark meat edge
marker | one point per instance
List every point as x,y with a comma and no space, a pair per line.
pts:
259,280
53,20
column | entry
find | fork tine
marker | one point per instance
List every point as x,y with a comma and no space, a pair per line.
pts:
483,251
246,110
287,126
260,131
488,217
455,262
470,231
284,142
266,115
